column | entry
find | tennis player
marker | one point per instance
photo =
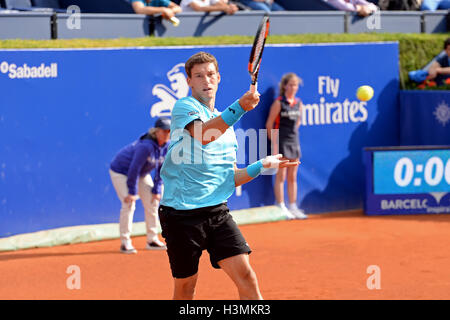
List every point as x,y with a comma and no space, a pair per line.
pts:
199,175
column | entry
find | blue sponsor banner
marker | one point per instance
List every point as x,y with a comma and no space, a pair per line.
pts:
425,118
65,113
407,180
404,204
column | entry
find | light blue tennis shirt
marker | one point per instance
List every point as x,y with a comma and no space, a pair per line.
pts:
196,175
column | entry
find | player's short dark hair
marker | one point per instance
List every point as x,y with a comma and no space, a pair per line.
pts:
200,58
446,43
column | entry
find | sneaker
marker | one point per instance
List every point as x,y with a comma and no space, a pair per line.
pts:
155,245
287,213
129,250
298,213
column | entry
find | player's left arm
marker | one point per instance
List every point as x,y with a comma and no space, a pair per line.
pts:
241,176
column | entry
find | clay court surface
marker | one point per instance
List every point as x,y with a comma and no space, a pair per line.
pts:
324,257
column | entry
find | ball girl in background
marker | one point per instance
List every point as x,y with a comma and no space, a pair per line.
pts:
285,116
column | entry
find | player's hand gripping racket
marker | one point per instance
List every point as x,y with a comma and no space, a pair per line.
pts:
257,51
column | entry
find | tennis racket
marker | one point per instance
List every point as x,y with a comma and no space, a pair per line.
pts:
257,51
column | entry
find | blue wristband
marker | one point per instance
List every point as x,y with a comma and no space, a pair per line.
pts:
233,113
255,169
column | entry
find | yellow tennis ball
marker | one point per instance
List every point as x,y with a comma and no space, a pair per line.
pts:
364,93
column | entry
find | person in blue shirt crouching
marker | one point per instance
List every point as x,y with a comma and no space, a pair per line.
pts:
130,175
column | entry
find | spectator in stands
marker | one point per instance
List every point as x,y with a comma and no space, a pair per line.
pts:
166,8
440,68
208,6
432,5
266,5
361,7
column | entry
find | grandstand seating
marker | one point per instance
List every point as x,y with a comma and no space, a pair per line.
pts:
305,5
123,22
25,25
3,10
295,22
213,24
104,25
436,22
18,4
37,5
100,6
53,4
390,21
123,6
245,22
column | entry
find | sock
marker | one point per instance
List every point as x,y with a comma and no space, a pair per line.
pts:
127,244
281,205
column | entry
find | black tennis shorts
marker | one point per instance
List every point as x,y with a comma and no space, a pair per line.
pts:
188,232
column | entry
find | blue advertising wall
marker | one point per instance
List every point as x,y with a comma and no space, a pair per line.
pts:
425,118
65,113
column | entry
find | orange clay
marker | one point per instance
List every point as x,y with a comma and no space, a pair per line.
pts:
324,257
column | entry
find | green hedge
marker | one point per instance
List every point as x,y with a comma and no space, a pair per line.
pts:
416,50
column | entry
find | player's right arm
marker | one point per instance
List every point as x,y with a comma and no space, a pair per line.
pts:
211,130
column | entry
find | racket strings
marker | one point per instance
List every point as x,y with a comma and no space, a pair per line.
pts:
258,48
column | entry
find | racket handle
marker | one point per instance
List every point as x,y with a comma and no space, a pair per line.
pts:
254,88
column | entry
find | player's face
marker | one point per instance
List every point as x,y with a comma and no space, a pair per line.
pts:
447,50
291,87
204,82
